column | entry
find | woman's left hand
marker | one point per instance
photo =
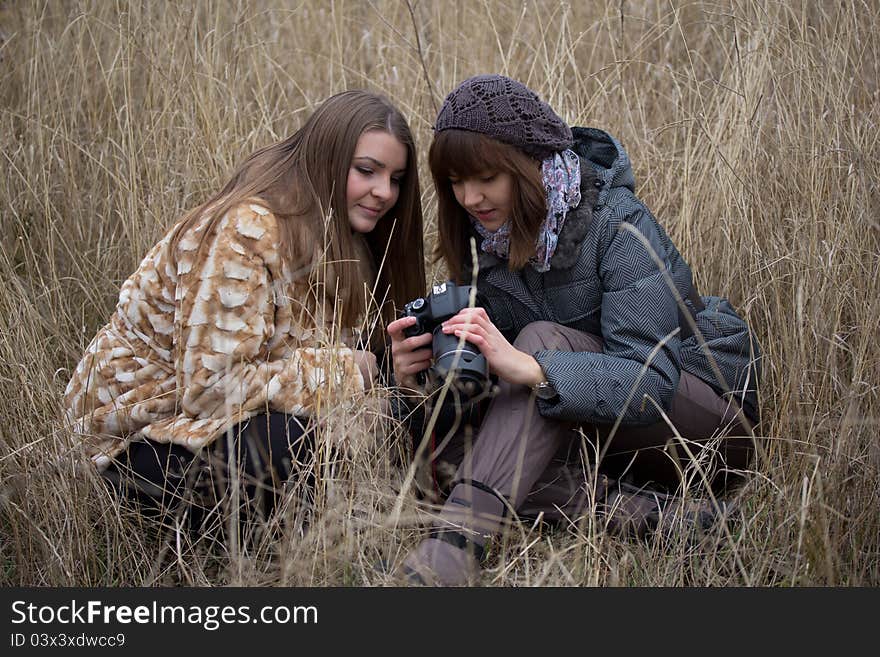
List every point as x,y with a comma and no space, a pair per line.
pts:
505,360
366,362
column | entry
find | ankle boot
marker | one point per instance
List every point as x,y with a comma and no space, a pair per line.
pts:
637,512
452,552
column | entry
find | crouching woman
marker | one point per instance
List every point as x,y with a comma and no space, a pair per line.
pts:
245,320
591,322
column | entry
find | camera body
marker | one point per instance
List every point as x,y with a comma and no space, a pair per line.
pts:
470,371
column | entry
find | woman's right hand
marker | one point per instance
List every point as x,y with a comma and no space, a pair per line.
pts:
409,355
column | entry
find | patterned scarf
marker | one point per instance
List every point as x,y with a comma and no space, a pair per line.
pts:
561,175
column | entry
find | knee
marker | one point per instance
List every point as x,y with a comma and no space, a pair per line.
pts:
543,335
272,443
538,336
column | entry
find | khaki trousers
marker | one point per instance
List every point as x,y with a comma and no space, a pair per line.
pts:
544,465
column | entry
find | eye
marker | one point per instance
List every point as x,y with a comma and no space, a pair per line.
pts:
397,180
488,178
454,181
366,171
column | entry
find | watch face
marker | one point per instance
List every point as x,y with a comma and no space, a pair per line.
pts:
545,391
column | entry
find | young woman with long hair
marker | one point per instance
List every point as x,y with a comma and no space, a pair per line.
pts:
589,320
259,308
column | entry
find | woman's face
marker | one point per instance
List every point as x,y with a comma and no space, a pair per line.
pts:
487,197
378,165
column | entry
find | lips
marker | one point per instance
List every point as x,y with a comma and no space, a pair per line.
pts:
483,214
372,212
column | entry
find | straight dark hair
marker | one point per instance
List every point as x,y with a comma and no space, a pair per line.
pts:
303,179
464,154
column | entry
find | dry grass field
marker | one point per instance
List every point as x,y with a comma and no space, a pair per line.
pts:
753,126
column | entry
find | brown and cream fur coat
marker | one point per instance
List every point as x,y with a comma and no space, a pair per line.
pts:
203,339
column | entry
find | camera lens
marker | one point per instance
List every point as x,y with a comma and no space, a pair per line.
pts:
467,365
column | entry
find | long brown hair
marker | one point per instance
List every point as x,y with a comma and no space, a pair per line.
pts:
303,179
464,154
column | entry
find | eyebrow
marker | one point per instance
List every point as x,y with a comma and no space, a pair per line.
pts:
379,164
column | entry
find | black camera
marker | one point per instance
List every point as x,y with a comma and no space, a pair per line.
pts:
470,371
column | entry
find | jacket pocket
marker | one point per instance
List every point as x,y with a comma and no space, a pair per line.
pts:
576,302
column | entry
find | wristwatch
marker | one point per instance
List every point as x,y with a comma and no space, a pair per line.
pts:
545,390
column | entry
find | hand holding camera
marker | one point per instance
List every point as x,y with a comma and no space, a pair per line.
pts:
410,356
463,363
505,360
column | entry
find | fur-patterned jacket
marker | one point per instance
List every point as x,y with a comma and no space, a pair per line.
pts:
204,339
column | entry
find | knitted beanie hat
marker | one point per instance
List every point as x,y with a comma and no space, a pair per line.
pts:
505,110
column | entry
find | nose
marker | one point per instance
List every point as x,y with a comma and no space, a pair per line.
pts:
473,194
382,189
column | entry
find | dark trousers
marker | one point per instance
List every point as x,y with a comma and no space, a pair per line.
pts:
246,467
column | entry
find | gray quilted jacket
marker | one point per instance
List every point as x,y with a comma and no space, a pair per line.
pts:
604,281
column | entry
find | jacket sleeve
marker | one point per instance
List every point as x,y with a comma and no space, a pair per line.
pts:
227,321
640,359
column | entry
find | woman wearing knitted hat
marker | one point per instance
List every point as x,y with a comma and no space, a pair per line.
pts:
253,313
589,319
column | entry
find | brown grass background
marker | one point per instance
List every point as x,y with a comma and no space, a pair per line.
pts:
753,129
